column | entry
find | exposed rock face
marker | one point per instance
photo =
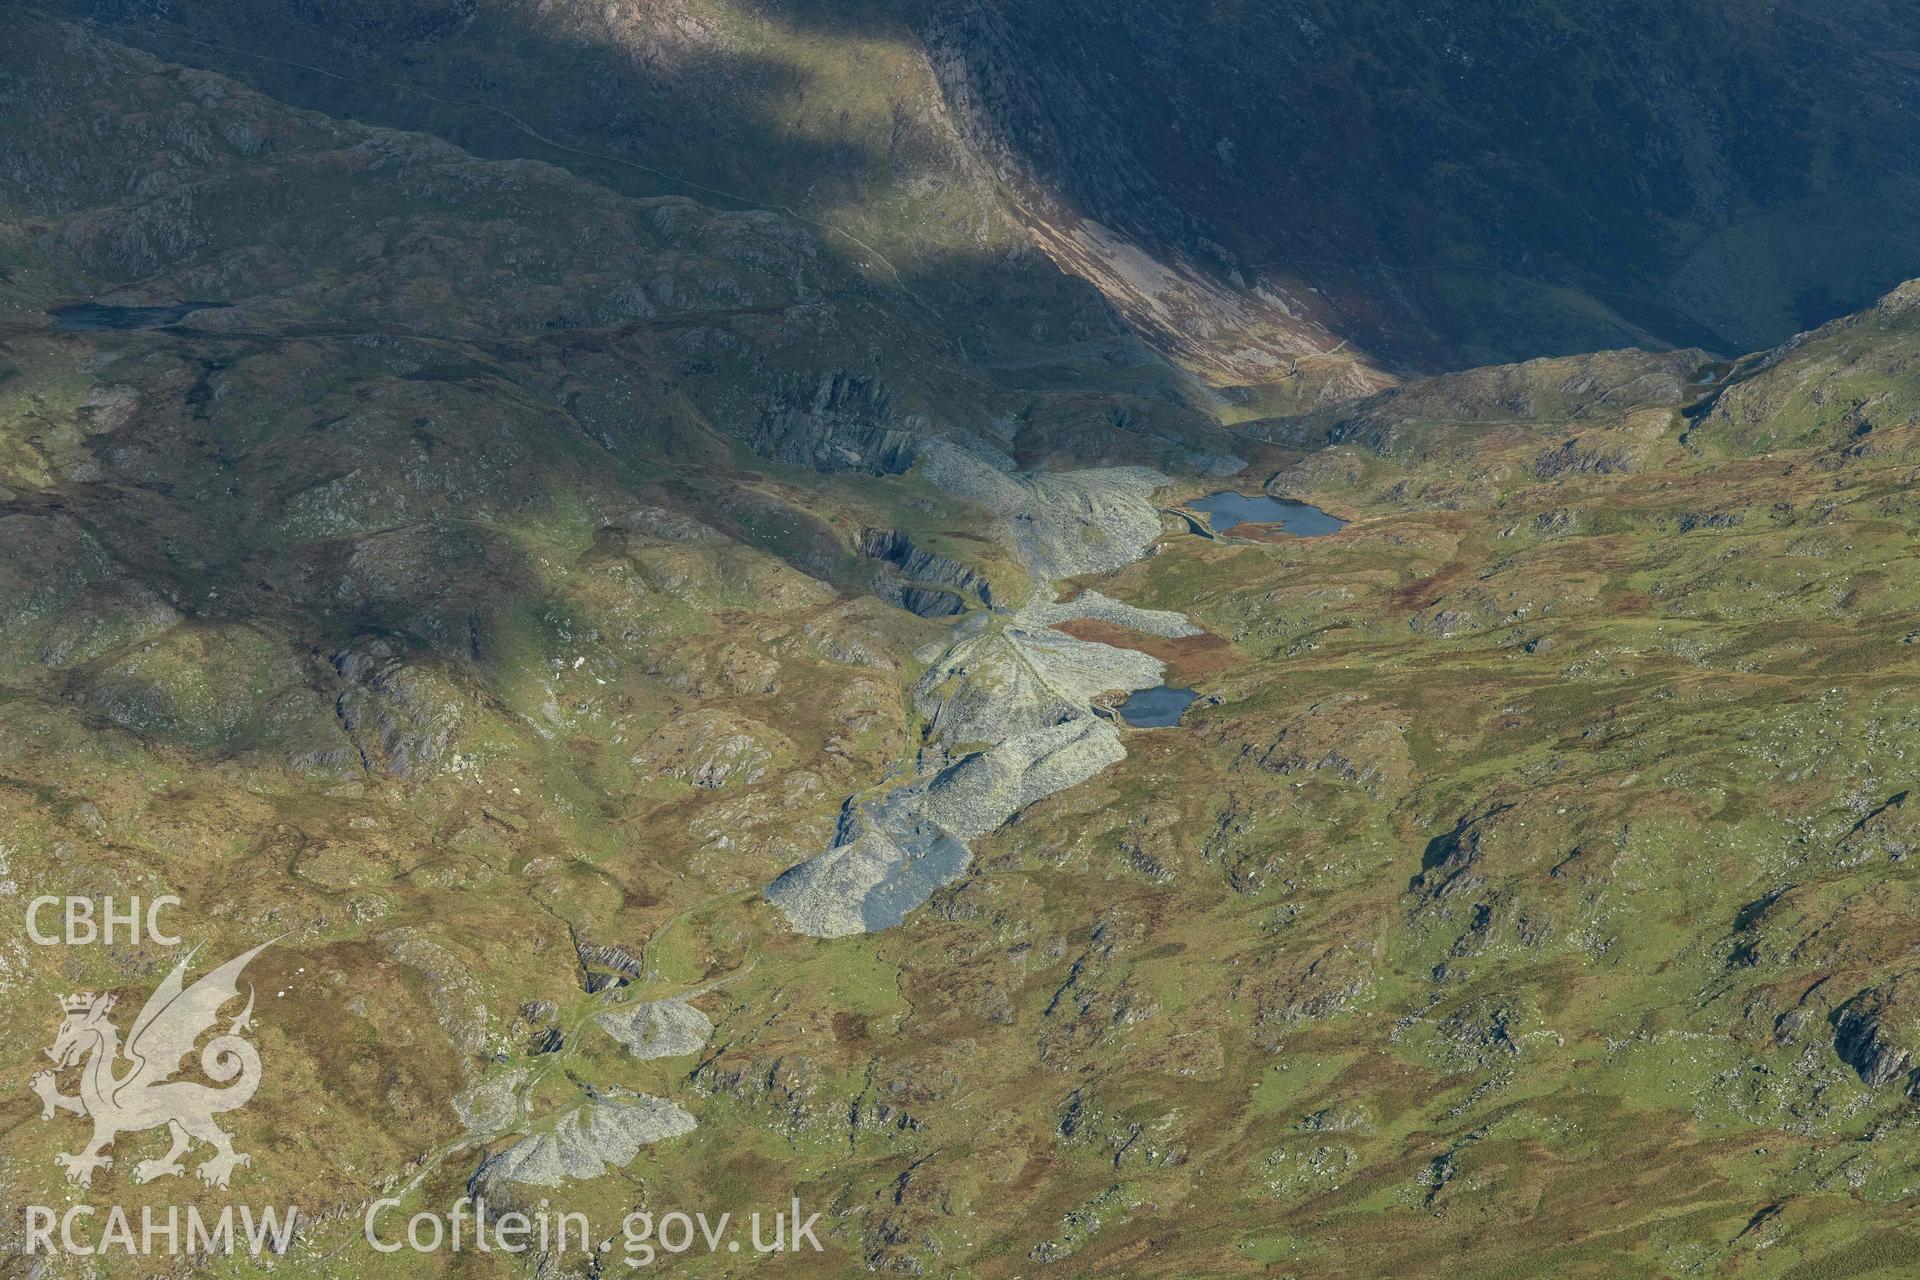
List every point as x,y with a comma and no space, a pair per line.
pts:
658,1029
604,1132
1890,831
603,965
844,422
1869,1029
926,602
1010,702
1447,865
934,585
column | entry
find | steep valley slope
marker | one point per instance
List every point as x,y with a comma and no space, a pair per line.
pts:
1295,199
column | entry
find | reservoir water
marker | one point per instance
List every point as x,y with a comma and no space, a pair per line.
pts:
1156,708
1225,510
84,316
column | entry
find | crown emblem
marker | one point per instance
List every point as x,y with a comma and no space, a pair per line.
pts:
175,1018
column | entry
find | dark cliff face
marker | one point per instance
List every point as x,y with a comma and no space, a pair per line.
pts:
1872,1032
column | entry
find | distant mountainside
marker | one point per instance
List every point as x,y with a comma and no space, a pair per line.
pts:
1471,181
1292,195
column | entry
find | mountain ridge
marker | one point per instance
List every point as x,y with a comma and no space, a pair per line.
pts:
1298,210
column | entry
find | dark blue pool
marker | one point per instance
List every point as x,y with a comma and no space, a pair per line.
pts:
84,316
1225,510
1156,708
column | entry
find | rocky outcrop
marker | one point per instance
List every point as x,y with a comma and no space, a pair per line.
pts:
1447,864
923,582
1874,1031
924,602
1889,831
1572,457
841,422
604,965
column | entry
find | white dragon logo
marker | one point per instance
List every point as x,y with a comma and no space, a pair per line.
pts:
144,1097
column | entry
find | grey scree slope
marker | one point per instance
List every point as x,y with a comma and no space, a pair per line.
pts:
1009,699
